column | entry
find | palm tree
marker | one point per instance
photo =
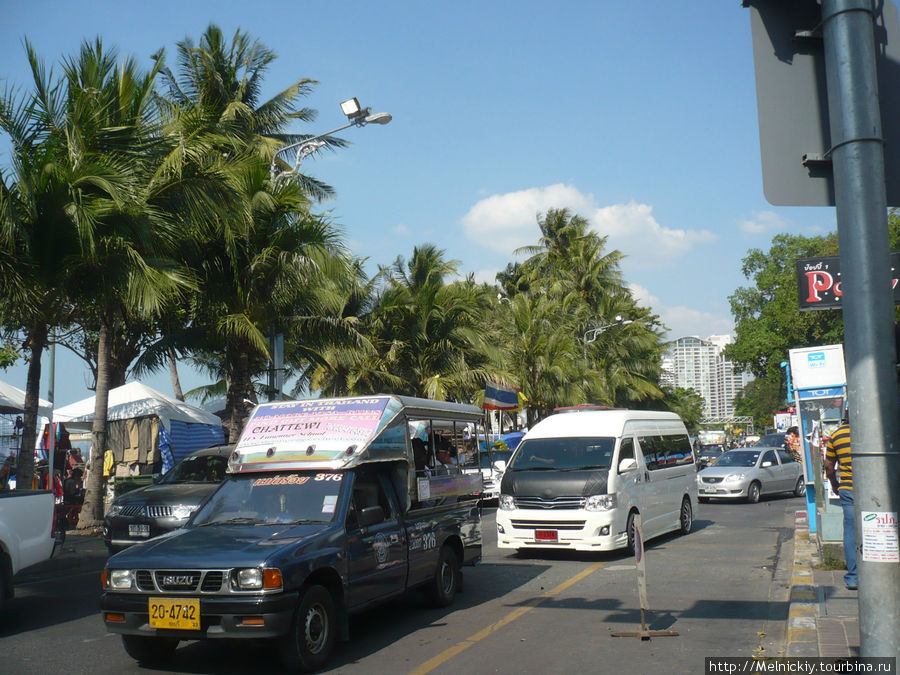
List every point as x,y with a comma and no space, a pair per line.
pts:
426,331
40,211
125,264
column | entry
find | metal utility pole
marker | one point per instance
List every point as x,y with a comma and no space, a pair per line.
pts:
857,154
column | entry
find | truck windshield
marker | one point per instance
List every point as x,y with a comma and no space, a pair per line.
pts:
563,454
282,497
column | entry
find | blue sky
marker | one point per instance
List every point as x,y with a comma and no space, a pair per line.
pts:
640,116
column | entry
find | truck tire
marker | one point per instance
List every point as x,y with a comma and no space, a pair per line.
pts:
5,583
310,641
445,584
149,650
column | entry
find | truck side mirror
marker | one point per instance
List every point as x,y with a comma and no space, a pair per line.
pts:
371,515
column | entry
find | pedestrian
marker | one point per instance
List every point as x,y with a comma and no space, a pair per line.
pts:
839,470
792,443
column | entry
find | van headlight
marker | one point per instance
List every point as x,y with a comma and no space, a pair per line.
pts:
507,502
600,503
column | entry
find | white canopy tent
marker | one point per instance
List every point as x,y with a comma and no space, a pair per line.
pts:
134,400
12,401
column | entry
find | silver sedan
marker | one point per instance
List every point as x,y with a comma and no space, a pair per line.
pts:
749,473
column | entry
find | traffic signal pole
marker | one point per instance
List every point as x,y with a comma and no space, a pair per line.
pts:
857,153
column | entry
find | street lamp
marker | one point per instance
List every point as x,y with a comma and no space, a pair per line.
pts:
357,116
591,334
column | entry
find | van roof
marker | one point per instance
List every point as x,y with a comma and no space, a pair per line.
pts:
596,422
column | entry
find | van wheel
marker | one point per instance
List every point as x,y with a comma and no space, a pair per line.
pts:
310,640
149,650
800,487
753,493
686,517
445,584
629,532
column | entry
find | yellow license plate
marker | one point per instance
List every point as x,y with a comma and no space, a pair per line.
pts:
175,613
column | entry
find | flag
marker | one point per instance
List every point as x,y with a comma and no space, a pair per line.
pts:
500,397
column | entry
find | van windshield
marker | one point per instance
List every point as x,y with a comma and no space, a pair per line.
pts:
563,454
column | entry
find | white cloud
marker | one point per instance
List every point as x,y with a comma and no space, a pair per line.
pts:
401,229
763,222
488,276
508,221
684,321
643,296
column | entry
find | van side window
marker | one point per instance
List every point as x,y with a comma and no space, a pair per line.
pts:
678,451
626,449
650,451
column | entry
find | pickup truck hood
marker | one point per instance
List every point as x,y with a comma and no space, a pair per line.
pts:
218,546
549,484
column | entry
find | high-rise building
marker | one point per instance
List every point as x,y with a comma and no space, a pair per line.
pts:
701,365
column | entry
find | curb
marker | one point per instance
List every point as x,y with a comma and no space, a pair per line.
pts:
802,630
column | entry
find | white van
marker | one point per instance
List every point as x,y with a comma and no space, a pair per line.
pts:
578,478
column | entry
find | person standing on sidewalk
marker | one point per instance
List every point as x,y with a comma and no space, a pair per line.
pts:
839,470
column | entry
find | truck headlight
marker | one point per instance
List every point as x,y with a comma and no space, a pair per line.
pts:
182,511
255,578
121,580
600,503
507,502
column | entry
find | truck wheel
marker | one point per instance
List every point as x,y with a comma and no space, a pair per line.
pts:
686,517
446,579
800,487
310,641
753,492
4,581
149,650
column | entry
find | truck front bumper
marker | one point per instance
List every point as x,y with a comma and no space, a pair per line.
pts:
225,617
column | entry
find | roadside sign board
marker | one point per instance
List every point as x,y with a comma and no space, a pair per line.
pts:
818,367
819,284
792,100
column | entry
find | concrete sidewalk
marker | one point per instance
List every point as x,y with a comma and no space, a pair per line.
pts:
823,619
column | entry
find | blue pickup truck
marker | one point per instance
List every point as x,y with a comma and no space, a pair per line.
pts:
326,510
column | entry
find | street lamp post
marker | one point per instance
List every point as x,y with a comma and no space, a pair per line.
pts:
592,333
359,117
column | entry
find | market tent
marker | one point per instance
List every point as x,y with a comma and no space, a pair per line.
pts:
12,401
148,430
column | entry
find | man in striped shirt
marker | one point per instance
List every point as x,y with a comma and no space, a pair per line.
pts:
839,470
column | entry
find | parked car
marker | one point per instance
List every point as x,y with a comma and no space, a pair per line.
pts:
775,440
749,473
493,465
709,454
166,505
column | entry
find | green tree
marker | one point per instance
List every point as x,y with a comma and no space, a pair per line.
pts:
760,399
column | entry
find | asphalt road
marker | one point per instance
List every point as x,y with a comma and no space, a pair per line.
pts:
723,588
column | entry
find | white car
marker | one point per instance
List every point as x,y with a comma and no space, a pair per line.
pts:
493,465
748,473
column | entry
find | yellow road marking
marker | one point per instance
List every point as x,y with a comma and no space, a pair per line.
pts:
460,647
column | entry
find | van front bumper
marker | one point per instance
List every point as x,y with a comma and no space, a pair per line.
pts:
576,530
